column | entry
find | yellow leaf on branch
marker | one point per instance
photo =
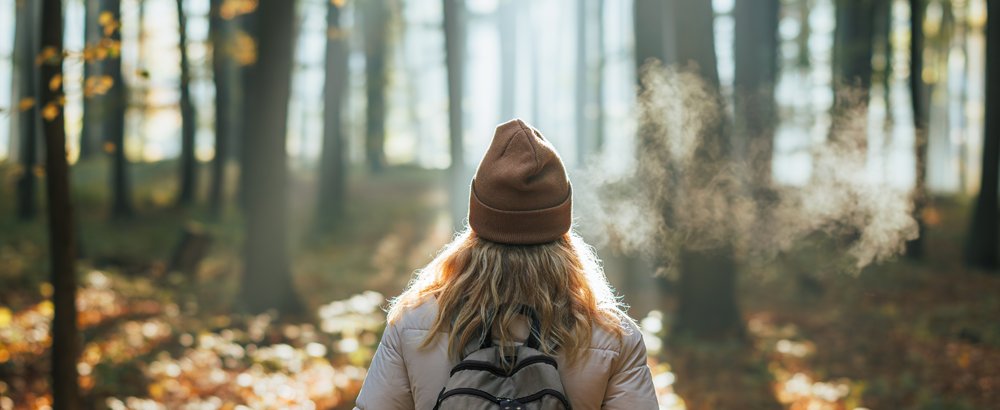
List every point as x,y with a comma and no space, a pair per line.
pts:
106,17
233,8
55,82
26,104
51,111
110,28
49,55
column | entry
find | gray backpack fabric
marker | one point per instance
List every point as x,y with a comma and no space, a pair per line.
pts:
481,383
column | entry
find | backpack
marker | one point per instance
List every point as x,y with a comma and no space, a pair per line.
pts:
481,383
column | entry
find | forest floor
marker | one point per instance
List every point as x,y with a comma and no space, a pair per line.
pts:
898,335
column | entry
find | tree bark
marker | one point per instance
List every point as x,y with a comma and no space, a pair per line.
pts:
90,136
65,337
224,74
375,23
454,39
188,163
983,247
114,104
756,58
333,163
267,280
27,44
919,97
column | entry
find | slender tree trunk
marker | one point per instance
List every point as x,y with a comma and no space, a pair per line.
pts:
507,24
333,163
90,140
599,86
852,72
376,20
267,280
65,337
983,247
756,45
27,44
250,24
536,82
583,147
650,22
188,163
223,74
454,39
804,33
142,93
919,96
114,105
707,286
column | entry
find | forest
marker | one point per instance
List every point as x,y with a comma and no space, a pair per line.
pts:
208,204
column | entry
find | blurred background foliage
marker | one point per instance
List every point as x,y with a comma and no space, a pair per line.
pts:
251,180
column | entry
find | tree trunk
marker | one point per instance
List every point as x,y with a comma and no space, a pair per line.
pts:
507,24
454,39
654,36
65,337
27,44
707,306
114,104
599,86
267,280
919,97
582,138
224,74
90,136
983,248
650,22
250,24
188,163
375,23
536,81
756,58
333,163
852,73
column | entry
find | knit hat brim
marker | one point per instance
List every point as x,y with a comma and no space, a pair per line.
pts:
520,227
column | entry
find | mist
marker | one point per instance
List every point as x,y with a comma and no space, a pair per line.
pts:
689,188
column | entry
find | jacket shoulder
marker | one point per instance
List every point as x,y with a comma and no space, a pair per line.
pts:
622,340
419,317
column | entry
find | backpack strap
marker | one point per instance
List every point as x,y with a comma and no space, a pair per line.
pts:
485,341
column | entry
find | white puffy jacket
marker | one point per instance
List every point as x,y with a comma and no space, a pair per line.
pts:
612,375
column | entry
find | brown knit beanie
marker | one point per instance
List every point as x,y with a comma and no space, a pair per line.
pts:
521,194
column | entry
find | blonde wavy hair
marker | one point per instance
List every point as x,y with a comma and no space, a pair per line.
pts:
473,278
